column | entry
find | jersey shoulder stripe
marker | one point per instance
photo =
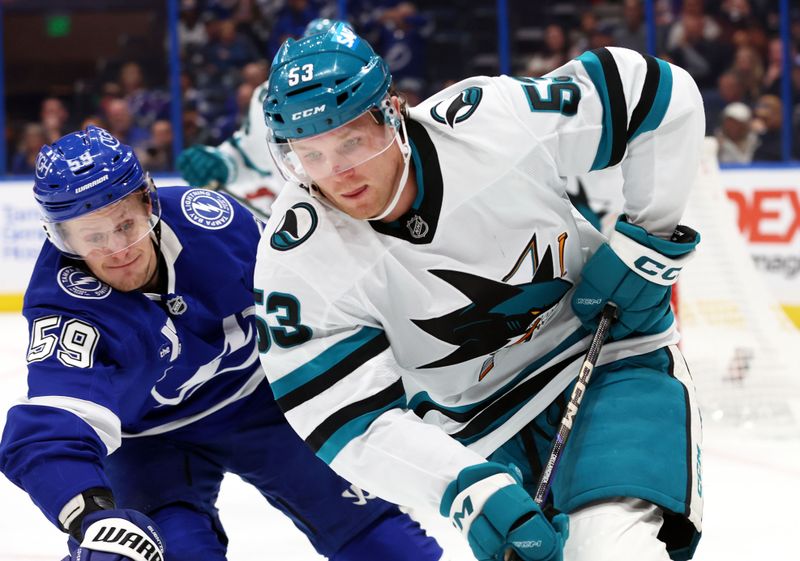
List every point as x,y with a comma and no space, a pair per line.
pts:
654,99
351,421
327,368
603,71
656,94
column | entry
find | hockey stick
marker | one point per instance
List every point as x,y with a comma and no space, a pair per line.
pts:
215,185
565,427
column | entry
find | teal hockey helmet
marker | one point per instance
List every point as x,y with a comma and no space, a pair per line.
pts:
319,25
322,81
328,109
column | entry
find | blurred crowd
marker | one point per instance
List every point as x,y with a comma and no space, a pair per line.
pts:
731,47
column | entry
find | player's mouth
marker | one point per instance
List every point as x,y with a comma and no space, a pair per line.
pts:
358,191
123,265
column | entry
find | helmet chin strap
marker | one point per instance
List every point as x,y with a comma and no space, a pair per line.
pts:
405,149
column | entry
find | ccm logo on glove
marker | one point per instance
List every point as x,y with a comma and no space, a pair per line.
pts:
651,267
648,262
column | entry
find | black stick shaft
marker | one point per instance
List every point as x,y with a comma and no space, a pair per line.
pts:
564,429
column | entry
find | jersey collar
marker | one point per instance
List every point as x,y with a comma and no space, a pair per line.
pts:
418,225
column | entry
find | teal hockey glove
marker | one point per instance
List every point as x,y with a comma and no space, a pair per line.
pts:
634,270
489,506
204,166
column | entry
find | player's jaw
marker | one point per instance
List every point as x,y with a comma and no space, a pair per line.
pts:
127,270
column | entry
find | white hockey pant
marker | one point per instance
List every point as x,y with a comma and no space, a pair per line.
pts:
624,529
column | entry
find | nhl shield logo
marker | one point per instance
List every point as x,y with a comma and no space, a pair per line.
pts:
176,305
417,227
297,225
208,209
79,284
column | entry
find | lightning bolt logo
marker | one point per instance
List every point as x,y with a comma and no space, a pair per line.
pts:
80,284
207,209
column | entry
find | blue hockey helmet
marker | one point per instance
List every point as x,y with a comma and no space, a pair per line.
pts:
85,172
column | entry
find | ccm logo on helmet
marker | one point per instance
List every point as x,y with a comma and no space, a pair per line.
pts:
308,112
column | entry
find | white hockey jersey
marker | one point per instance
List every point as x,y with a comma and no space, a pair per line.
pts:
403,352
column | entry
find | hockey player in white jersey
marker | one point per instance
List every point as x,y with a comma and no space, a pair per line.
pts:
425,294
241,166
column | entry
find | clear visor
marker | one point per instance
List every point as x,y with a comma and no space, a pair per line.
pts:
313,159
110,229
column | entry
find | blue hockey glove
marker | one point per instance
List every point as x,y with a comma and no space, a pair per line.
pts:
205,166
118,535
635,271
489,506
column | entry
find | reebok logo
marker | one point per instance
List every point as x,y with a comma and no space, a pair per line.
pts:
588,301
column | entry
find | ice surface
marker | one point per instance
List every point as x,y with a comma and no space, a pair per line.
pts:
751,486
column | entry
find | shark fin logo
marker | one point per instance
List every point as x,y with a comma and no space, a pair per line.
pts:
459,108
497,316
297,225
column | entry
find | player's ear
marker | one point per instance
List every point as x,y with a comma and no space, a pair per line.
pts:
398,103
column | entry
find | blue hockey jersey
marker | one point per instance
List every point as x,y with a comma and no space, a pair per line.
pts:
104,365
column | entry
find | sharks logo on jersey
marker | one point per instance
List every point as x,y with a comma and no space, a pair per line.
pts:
297,225
498,315
79,284
459,108
207,209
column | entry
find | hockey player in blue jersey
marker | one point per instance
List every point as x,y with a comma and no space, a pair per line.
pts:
426,295
144,381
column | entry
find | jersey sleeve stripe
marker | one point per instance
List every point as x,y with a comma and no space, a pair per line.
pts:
327,368
602,70
348,423
102,420
649,90
659,80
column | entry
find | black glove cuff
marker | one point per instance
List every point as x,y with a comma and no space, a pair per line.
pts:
89,501
683,234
